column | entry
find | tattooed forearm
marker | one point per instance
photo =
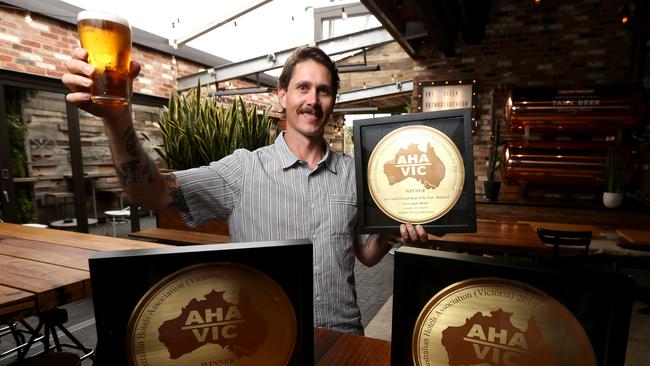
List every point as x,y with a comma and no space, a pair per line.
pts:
129,172
131,141
177,198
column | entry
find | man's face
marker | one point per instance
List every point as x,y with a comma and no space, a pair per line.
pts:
308,99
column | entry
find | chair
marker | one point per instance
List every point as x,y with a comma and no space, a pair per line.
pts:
566,239
56,196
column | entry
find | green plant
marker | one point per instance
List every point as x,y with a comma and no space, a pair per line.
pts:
197,130
17,134
493,153
620,163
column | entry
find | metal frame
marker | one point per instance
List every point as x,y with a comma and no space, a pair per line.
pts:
375,91
218,23
332,46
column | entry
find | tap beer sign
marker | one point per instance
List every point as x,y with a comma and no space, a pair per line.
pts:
213,314
498,322
443,97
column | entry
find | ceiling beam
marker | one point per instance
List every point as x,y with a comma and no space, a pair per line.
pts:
399,31
375,91
218,23
332,46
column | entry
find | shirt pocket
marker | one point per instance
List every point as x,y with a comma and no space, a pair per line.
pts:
343,214
342,223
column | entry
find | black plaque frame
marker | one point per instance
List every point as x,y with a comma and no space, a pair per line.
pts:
600,301
120,279
456,124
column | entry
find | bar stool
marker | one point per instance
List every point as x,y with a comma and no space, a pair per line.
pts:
52,322
117,217
69,224
40,226
56,196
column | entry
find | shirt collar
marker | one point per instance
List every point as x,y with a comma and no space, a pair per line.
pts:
289,159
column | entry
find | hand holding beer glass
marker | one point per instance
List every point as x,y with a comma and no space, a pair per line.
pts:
107,38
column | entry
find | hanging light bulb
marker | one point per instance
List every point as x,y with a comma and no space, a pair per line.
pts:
625,15
28,18
344,15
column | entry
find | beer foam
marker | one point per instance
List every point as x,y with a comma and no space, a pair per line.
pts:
94,14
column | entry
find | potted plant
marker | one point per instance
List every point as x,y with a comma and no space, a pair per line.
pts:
620,168
492,186
198,130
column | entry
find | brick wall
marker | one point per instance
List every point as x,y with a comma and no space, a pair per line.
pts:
560,44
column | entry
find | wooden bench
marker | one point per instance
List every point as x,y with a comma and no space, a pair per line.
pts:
180,237
171,229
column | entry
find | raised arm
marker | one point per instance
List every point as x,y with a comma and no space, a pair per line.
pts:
143,183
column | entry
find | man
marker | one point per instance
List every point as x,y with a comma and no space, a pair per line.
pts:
295,188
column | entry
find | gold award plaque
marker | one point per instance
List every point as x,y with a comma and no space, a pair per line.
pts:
415,174
492,321
212,314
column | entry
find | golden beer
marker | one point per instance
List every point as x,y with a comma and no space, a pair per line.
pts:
107,38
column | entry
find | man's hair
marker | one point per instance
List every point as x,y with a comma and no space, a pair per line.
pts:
305,53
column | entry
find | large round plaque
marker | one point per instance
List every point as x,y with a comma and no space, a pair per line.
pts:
492,321
415,174
213,314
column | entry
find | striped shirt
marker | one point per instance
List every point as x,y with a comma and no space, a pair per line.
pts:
269,194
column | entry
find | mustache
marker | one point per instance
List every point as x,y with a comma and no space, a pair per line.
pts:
311,110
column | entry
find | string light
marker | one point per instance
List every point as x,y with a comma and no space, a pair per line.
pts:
28,18
344,15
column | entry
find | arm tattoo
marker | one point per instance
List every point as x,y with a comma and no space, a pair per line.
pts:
131,141
178,200
132,170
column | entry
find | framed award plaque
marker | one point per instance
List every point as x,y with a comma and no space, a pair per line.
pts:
415,168
469,310
224,304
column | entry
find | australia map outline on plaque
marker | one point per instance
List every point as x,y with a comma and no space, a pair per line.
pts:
238,328
213,313
415,174
498,322
423,166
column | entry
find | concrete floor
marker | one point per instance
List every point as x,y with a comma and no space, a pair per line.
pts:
374,292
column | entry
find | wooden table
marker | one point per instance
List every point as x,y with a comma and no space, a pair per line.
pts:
634,239
41,269
180,237
495,237
341,349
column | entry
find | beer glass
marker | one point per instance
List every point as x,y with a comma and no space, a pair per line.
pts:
107,38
